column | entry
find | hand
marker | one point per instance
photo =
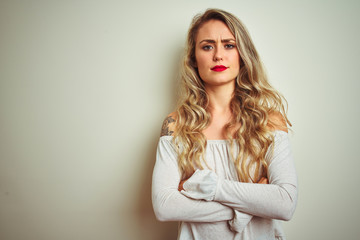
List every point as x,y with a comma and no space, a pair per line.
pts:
181,184
263,180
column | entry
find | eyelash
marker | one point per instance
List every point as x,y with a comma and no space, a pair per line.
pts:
230,46
209,47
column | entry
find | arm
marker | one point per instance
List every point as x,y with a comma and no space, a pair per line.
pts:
274,200
168,203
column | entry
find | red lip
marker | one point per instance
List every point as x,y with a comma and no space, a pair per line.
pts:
219,68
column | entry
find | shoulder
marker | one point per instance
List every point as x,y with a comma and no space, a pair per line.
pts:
169,124
277,122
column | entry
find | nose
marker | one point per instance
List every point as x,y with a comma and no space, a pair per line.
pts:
218,54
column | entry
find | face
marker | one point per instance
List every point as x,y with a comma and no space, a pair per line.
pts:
217,57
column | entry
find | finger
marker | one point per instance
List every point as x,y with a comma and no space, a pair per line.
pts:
263,180
181,186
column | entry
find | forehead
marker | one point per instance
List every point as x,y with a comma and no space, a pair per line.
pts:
214,29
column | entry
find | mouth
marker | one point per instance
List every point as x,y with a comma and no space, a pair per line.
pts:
219,68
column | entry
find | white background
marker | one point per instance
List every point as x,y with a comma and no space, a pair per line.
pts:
85,85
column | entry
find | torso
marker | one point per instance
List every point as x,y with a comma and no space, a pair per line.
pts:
216,128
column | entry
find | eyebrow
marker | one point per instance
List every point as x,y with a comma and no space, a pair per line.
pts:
213,41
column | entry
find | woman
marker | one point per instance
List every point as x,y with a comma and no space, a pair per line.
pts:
224,168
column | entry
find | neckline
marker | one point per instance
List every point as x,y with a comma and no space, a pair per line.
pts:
225,140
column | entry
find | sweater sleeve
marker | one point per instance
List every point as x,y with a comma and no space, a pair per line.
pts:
275,200
168,203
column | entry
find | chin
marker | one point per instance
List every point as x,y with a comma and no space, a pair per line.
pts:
219,82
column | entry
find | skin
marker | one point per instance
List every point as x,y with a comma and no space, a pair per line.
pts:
216,45
165,127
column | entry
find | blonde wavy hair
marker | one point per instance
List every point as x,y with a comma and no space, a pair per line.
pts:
254,99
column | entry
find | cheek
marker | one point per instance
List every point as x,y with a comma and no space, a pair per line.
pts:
201,59
201,65
236,60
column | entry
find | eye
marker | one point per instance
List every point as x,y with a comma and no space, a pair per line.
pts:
230,46
207,47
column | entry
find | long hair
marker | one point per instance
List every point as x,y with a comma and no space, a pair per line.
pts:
252,102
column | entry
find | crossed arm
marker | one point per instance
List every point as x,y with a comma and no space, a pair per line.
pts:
168,203
274,200
232,200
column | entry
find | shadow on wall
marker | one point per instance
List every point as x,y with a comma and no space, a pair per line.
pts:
149,226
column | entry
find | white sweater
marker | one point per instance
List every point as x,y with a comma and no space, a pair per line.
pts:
232,209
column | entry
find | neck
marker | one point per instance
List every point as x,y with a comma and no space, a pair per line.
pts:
220,98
